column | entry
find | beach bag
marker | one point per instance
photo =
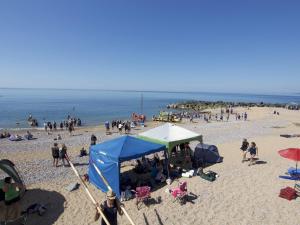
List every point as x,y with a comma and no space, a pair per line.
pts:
288,193
209,176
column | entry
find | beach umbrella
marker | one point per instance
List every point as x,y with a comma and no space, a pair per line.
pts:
291,153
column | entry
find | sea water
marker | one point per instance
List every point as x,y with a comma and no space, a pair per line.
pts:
94,107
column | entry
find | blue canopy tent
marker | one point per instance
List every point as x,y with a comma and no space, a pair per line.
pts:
109,155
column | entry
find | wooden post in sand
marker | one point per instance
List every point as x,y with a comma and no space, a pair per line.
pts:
87,190
109,188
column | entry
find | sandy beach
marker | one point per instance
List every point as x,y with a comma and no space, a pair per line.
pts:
241,194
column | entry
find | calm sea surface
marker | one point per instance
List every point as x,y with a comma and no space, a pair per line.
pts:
95,106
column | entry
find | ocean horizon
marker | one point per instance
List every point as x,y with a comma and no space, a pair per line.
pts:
94,106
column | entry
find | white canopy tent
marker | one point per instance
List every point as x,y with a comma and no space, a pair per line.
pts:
170,135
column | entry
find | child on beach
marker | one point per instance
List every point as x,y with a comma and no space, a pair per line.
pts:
253,150
244,148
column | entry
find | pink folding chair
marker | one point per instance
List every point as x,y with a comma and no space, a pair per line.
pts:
142,194
180,193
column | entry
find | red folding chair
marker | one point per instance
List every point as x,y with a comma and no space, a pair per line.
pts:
180,193
142,194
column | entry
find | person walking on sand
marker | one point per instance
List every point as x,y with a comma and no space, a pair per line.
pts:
93,139
110,207
71,128
245,116
61,125
45,126
245,145
62,153
55,154
253,150
120,126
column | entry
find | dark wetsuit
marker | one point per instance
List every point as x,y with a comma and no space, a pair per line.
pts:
110,214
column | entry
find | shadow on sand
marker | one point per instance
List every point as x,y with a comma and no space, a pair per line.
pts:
80,164
260,162
53,201
191,198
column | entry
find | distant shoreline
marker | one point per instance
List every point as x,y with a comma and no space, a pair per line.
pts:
94,107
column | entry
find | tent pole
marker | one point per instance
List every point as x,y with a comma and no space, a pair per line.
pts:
167,162
87,191
109,188
296,172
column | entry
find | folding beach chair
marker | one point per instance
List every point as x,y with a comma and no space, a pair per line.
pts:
180,193
142,194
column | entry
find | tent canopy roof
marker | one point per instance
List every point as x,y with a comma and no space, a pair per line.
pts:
108,156
126,148
170,135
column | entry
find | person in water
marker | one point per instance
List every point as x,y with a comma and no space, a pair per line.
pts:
244,148
110,208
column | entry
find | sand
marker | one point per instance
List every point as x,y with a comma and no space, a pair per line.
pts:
240,195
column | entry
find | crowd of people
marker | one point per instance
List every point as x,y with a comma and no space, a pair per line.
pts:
69,124
16,137
151,172
119,125
223,115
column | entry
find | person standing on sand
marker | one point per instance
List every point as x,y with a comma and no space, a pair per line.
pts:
244,148
253,150
62,153
71,128
45,126
55,154
120,126
245,116
93,139
111,207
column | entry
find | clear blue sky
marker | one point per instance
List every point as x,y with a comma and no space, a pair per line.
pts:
224,46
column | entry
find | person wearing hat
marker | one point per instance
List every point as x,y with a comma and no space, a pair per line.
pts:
110,207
